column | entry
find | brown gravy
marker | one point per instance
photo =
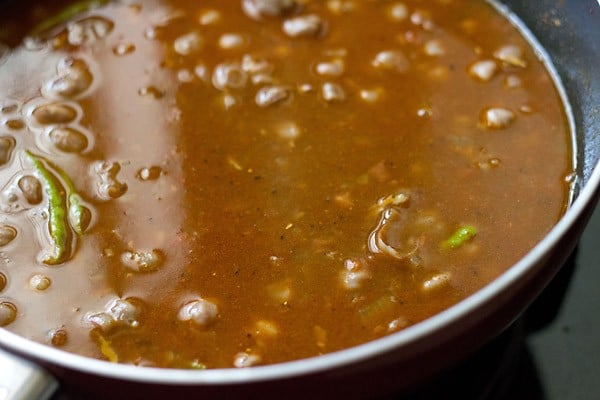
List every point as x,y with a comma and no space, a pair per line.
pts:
265,180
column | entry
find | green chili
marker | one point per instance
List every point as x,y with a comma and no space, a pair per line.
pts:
460,237
66,14
79,215
58,225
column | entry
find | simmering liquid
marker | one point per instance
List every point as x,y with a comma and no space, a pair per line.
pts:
227,184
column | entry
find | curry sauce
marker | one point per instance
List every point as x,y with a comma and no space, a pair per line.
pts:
234,183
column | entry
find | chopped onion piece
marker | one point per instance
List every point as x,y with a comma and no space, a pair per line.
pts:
229,75
497,118
259,9
398,12
303,26
340,6
269,95
371,95
231,41
512,82
436,281
244,360
434,48
512,55
333,92
483,70
288,130
264,328
209,17
333,68
200,311
122,310
392,60
188,44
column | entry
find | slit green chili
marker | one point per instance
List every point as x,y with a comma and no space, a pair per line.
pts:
66,14
58,224
79,215
459,237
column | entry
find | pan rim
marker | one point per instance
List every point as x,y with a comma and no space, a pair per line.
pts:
293,369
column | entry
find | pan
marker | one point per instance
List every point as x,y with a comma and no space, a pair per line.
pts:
567,35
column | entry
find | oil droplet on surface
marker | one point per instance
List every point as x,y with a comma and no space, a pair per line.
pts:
123,49
149,173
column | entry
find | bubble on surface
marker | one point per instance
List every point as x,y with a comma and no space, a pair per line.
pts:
8,313
7,234
31,188
67,139
149,173
89,30
39,282
15,124
7,144
54,113
58,337
142,260
74,79
123,49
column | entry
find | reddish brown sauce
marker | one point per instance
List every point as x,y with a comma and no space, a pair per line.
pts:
262,181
